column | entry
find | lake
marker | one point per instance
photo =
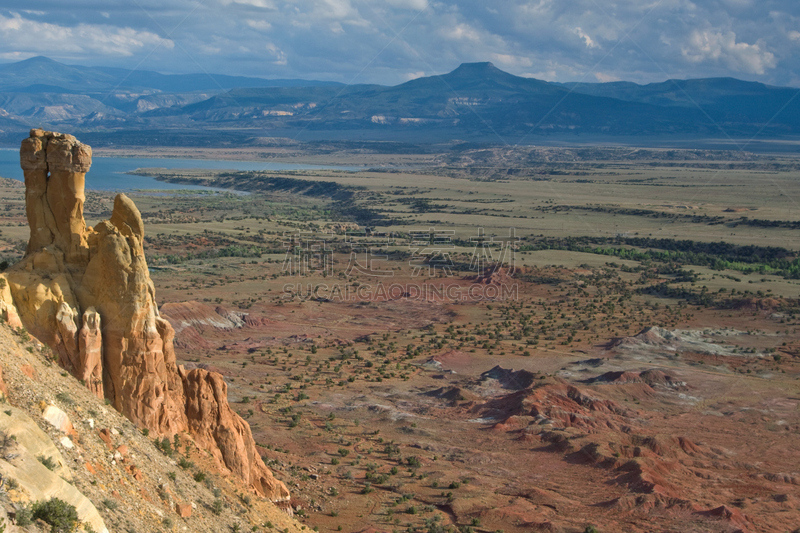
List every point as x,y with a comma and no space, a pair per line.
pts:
109,173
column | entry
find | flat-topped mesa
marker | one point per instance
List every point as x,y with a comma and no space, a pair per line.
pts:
87,293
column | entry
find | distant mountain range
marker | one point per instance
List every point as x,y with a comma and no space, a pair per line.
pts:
476,101
44,75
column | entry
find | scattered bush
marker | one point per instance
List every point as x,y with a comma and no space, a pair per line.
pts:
165,446
62,517
110,504
47,462
24,517
65,398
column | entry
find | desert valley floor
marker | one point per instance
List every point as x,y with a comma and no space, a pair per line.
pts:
496,340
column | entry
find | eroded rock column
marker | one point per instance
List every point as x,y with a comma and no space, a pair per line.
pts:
87,293
90,345
68,162
55,167
218,429
33,160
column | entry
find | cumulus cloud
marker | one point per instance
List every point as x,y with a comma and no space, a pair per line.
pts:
722,47
508,60
45,38
604,77
383,42
546,75
586,39
262,4
414,75
278,55
261,25
409,4
462,32
337,9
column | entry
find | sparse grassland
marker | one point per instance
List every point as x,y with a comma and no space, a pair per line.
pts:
368,403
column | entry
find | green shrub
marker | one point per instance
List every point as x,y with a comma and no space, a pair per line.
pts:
62,517
216,507
22,334
165,446
24,517
110,504
65,398
47,462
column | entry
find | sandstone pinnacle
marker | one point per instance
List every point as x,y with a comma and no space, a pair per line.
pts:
87,293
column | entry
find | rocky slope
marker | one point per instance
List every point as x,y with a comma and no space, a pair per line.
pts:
86,293
118,478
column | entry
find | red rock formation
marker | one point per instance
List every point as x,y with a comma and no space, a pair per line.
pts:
219,430
87,293
192,319
734,516
560,404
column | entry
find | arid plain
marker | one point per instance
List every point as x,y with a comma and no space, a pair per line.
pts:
515,339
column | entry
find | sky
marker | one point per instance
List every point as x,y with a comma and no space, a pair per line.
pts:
392,41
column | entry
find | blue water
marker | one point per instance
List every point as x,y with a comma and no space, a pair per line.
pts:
108,173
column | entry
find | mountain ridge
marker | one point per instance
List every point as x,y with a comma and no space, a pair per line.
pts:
475,101
15,76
